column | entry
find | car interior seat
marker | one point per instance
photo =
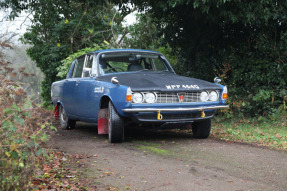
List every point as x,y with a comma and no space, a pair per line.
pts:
135,67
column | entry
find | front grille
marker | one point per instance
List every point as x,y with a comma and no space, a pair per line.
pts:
174,98
178,97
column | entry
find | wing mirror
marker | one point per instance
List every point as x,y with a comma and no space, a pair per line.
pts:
217,80
114,80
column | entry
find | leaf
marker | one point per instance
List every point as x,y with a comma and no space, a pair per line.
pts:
33,137
106,42
39,152
91,31
53,128
21,165
16,108
14,154
108,173
13,147
8,111
19,120
44,153
7,154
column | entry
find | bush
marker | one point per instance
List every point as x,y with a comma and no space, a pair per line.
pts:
22,130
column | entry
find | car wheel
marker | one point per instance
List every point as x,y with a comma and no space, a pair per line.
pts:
116,125
201,129
65,122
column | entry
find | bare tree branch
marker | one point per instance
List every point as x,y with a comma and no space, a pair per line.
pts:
26,19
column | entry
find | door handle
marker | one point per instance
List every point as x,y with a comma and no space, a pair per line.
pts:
77,83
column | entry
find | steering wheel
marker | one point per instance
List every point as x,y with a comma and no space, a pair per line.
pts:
115,69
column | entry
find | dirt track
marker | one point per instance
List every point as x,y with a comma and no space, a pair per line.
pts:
174,160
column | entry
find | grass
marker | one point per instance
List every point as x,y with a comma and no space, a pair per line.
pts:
263,132
155,150
152,147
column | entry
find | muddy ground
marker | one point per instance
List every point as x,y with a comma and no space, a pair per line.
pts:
173,160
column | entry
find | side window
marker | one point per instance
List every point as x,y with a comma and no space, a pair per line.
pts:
88,66
89,61
75,68
159,65
79,67
72,69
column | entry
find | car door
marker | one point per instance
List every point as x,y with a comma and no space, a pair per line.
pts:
68,99
84,91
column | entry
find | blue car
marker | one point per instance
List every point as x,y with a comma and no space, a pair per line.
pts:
113,88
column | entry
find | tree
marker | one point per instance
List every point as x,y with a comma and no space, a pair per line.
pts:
143,35
244,42
148,36
31,76
60,28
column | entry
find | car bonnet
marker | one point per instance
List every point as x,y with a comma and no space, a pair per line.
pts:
159,81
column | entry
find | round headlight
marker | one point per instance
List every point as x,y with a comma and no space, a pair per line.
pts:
213,96
204,96
150,97
137,98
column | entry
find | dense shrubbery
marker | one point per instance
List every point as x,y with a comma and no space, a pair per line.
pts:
257,76
242,42
22,130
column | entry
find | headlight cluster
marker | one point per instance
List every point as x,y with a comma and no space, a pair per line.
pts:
209,96
147,97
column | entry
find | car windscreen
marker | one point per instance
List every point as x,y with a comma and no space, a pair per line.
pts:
130,62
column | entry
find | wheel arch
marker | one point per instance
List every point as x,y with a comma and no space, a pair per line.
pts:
59,103
56,109
104,103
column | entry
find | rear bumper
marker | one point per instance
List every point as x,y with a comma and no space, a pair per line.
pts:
136,110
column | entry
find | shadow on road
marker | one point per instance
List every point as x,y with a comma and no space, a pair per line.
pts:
136,133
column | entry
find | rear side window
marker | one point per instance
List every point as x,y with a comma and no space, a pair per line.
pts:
79,67
89,61
88,66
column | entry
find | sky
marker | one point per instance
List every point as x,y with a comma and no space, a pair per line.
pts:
130,18
18,26
21,23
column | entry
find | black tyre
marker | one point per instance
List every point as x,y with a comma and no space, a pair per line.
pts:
65,122
201,129
116,125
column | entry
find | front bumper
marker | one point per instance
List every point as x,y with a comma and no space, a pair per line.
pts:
164,115
136,110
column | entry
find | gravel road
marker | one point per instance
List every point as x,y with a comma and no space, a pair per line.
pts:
173,160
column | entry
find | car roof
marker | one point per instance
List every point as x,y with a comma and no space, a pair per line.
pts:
125,50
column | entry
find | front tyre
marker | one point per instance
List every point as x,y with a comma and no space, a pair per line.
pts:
116,125
201,129
65,122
